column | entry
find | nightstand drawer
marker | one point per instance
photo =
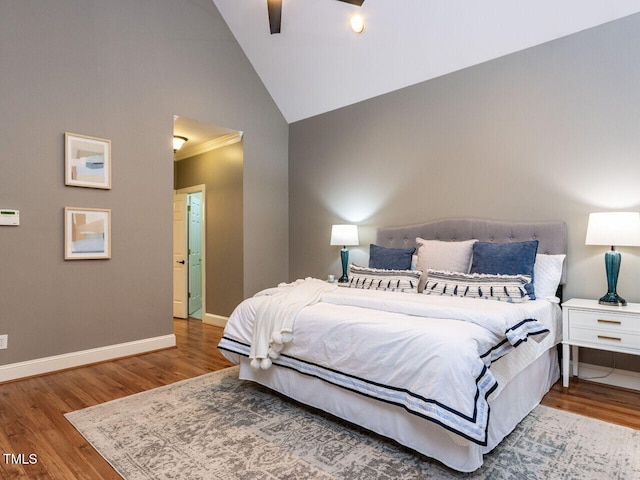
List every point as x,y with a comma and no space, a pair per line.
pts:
607,338
603,321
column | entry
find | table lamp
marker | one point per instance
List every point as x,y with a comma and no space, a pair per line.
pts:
344,235
620,229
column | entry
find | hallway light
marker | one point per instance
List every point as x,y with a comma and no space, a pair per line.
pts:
178,142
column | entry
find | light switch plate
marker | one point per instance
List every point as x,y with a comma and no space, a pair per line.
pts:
9,217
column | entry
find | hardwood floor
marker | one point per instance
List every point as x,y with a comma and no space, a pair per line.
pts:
596,400
45,446
31,410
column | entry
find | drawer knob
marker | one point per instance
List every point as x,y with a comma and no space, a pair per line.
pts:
605,337
615,322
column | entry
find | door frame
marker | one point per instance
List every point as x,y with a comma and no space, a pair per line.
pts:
202,189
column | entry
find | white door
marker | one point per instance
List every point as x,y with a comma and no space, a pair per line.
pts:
195,252
180,284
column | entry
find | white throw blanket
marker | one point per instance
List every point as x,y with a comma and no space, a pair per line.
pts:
273,325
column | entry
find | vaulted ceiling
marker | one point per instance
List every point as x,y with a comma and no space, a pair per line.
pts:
317,64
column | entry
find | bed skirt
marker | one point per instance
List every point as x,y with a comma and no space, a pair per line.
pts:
521,395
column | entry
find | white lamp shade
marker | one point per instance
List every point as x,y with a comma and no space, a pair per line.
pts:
344,235
614,228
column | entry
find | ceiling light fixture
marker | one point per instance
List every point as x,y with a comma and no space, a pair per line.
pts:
357,24
178,142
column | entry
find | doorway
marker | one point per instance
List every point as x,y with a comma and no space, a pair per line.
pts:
189,255
210,156
194,239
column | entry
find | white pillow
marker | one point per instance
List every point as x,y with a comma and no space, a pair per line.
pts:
547,273
446,256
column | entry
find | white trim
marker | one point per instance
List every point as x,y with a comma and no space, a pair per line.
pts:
44,365
217,320
617,377
219,142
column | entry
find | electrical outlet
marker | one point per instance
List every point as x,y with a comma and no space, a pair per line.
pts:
4,340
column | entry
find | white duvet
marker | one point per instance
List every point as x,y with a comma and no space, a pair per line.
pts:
440,358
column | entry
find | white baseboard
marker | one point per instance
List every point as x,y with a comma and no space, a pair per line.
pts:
44,365
608,376
217,320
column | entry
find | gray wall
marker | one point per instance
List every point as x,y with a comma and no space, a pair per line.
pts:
549,133
120,70
220,170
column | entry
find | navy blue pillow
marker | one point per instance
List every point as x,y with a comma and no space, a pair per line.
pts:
390,258
516,258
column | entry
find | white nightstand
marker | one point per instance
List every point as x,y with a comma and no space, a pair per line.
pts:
586,323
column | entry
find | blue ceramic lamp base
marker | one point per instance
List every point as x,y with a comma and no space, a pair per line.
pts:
612,261
612,298
344,256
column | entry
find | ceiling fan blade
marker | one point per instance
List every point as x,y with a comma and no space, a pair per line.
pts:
275,15
353,2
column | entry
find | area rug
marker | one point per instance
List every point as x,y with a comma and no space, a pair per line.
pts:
219,427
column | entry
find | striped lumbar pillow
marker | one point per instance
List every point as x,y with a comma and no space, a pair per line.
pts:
379,279
506,288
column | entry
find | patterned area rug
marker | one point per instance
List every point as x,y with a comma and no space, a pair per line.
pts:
218,427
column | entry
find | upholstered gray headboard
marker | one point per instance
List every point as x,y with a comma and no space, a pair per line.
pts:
552,236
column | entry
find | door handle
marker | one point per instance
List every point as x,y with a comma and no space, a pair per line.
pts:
180,261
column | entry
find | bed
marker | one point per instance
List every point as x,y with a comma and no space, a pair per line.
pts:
445,356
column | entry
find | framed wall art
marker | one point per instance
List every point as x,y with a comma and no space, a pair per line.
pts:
87,233
87,161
